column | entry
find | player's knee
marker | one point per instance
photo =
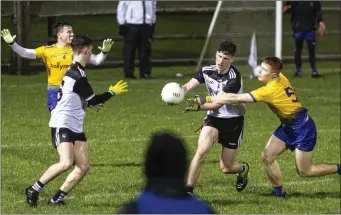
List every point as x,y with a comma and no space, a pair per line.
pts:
67,164
267,158
303,173
225,169
84,168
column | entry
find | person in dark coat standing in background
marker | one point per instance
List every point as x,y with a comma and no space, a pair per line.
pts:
136,21
305,16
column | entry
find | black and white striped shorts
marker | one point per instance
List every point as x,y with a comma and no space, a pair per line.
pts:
60,135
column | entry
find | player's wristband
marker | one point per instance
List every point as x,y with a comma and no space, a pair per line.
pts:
112,93
10,44
105,52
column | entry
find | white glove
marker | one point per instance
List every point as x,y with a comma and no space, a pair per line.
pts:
8,36
106,45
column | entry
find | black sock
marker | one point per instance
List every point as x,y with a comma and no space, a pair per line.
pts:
38,186
59,196
189,188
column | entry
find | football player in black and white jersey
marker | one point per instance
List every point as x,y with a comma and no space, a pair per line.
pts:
223,123
67,121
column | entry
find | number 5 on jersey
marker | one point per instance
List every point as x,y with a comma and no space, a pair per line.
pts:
290,92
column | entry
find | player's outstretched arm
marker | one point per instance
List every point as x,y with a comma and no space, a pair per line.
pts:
190,85
83,88
203,107
100,58
232,98
195,81
21,51
222,99
210,106
96,102
119,88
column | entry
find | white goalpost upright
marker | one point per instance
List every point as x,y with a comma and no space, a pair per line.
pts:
237,20
278,34
209,33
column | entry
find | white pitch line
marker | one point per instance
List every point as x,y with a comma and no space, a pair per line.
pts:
120,194
146,138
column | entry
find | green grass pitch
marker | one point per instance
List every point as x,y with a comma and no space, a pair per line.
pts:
118,134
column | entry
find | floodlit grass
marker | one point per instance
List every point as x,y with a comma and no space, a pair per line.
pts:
118,134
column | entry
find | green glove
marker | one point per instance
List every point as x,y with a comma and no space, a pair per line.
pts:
197,99
8,36
106,45
192,107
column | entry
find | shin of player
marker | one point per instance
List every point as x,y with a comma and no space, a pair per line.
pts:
223,123
67,121
296,132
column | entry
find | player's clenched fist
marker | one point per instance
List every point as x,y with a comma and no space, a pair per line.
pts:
119,88
8,36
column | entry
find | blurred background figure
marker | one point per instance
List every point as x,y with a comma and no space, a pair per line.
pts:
137,22
305,16
165,169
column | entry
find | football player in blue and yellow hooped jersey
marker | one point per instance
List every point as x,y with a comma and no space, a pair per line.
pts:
57,57
297,130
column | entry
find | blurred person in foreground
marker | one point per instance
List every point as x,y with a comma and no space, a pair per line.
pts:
297,131
67,124
165,168
136,21
305,17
